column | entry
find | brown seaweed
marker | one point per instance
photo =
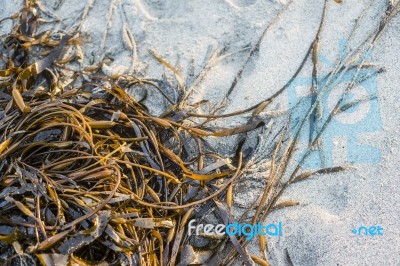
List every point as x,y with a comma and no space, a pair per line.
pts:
90,178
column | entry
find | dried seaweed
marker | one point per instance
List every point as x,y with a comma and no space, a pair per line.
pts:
84,172
88,176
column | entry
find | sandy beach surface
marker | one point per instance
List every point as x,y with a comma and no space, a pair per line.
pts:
218,35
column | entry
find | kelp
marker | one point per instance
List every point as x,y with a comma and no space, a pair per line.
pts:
89,177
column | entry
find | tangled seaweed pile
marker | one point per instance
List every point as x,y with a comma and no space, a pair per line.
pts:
89,177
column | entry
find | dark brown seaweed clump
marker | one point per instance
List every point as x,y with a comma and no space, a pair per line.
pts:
89,177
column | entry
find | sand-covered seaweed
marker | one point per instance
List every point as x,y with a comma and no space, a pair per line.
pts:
90,177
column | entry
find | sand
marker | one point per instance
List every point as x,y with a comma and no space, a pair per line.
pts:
184,33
